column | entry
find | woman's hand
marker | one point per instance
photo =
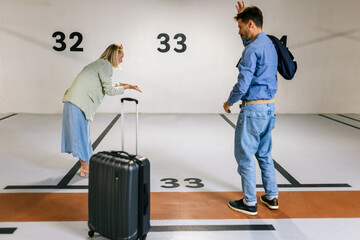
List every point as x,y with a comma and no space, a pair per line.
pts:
122,85
129,86
240,6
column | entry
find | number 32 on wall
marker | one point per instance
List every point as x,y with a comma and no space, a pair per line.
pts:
60,40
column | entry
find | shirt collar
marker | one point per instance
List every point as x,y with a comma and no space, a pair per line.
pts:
260,35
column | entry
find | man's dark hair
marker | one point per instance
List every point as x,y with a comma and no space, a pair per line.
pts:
251,13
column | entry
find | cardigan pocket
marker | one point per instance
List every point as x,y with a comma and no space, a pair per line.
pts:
95,98
91,97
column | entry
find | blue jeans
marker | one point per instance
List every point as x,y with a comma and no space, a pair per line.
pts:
253,137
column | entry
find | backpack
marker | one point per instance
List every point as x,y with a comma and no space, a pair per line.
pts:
286,65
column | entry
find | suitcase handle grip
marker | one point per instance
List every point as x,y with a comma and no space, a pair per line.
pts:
117,153
130,100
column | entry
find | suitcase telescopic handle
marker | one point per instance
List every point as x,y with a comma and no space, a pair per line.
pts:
122,121
130,99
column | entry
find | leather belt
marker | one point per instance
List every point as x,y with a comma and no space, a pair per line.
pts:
259,101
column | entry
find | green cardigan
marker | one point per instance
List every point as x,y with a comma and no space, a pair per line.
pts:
90,86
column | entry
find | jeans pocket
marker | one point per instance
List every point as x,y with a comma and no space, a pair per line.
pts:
273,121
255,123
240,120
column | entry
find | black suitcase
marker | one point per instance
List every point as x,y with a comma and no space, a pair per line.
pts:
119,192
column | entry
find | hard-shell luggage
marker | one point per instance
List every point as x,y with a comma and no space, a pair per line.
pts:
119,192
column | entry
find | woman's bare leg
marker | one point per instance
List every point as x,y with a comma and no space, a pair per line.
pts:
84,169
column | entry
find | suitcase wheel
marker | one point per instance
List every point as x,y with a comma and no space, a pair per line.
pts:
143,237
91,233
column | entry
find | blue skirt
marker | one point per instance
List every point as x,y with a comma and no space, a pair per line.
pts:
75,133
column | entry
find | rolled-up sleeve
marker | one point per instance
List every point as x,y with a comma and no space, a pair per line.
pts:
105,74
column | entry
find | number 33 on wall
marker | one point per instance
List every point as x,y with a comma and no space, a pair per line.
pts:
165,41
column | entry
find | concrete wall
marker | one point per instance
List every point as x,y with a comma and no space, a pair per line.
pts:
323,35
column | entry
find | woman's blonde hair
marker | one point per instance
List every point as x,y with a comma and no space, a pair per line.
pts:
111,54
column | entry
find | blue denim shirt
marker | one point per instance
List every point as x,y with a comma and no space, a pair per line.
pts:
257,77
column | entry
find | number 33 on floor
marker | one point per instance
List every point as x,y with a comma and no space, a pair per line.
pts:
173,183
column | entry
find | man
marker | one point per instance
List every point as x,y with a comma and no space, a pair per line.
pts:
256,87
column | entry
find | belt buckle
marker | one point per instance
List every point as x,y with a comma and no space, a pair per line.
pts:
243,103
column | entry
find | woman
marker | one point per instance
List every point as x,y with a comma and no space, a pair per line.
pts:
83,98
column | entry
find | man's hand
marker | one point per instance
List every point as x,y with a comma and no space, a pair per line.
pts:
226,107
240,6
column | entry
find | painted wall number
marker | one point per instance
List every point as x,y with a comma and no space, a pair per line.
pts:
173,183
165,41
60,40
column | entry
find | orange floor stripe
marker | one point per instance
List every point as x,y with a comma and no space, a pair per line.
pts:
26,207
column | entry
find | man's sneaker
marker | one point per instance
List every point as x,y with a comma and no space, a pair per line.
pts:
240,206
272,204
